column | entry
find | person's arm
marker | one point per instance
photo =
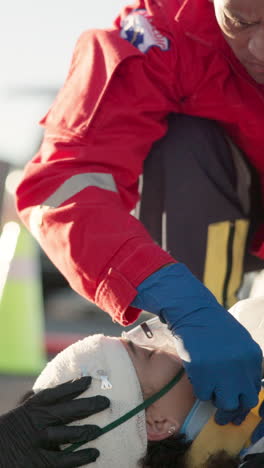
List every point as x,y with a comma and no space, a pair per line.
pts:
77,193
31,434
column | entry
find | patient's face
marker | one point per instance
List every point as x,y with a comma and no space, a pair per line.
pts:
155,368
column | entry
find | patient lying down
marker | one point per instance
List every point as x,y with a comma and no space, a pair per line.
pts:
159,436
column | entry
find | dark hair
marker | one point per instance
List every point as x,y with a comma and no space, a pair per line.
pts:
171,453
167,453
222,460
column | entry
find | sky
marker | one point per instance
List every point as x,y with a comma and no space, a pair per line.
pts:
37,41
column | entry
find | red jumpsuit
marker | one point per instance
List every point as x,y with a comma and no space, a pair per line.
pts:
161,56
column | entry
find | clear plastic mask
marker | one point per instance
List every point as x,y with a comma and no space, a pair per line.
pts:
152,333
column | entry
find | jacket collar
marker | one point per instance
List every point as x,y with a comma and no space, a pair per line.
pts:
197,18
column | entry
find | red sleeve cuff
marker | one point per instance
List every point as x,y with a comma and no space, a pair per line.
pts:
118,289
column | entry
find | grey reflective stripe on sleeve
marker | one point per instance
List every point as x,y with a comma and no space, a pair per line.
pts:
77,183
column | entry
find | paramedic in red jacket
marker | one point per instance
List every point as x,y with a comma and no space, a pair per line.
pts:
174,90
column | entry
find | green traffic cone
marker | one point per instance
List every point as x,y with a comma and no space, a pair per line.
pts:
22,350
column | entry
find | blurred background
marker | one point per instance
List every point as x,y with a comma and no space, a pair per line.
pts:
39,313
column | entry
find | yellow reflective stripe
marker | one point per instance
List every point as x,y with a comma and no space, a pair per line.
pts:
223,272
240,237
77,183
216,258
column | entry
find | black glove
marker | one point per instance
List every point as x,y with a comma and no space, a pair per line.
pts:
253,461
31,434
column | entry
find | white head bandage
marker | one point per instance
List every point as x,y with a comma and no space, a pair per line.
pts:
106,360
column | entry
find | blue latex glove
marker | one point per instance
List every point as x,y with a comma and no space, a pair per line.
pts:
221,359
